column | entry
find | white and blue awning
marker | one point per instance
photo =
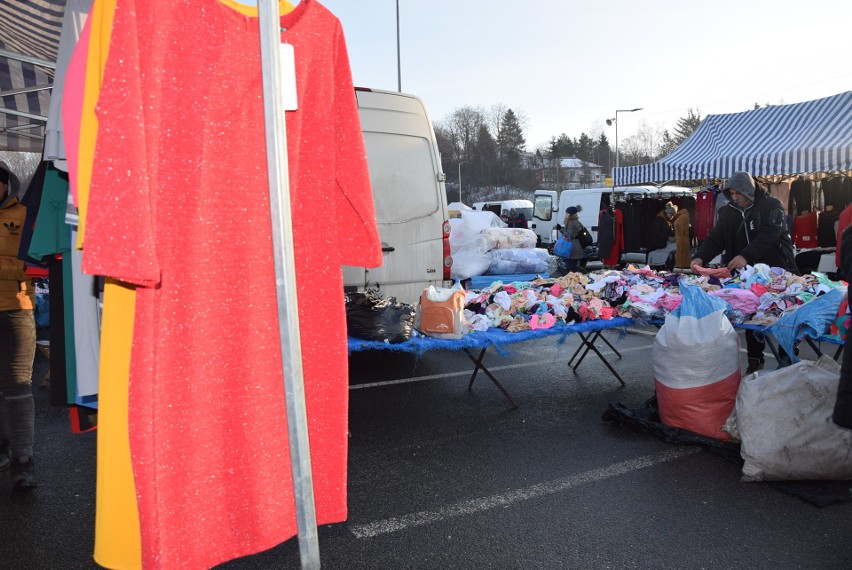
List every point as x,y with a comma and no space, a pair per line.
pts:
801,138
29,41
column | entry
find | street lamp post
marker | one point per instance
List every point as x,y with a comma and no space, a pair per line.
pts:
460,194
398,56
615,120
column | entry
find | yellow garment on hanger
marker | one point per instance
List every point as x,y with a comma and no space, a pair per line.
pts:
118,542
117,534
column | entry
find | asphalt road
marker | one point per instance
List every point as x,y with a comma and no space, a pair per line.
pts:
442,477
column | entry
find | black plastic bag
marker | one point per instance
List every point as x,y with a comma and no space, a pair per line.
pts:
369,316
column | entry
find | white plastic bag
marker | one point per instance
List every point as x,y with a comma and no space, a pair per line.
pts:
784,423
696,364
509,238
514,261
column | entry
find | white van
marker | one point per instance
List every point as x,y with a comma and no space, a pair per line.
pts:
409,195
550,205
500,206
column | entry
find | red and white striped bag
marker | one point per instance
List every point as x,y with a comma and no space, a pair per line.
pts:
696,362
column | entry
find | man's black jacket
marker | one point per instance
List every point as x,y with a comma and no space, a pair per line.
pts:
758,233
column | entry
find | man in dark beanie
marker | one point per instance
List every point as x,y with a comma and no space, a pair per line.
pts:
750,229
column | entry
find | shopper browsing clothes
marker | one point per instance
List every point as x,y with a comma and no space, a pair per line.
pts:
683,239
571,229
662,232
750,229
17,341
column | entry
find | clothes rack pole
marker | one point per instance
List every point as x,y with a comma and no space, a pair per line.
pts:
285,280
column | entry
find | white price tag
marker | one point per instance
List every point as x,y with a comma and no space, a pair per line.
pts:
288,77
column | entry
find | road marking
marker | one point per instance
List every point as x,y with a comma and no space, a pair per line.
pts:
642,332
468,372
527,493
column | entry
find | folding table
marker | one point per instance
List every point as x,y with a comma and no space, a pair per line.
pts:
589,333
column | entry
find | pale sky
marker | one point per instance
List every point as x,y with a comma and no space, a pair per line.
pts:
567,65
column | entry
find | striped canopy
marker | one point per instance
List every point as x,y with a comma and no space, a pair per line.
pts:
802,138
29,42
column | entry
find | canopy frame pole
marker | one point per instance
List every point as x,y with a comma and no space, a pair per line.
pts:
28,59
285,280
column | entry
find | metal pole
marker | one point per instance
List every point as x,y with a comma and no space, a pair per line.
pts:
616,139
617,111
460,193
285,281
28,59
398,56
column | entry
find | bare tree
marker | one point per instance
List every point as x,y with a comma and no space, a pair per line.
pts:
645,146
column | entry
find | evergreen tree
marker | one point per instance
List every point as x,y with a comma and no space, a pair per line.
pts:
603,153
562,147
511,144
483,158
684,128
585,148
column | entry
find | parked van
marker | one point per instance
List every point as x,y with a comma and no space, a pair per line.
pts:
499,206
550,205
409,195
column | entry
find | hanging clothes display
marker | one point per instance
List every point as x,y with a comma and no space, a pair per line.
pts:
781,190
73,19
827,226
117,540
705,213
805,230
801,196
843,222
614,256
606,232
631,211
179,191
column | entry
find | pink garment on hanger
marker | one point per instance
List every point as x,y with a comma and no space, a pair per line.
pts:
72,106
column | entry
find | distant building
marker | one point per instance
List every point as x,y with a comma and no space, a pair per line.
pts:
567,173
574,173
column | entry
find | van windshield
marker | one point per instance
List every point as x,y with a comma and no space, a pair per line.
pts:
543,208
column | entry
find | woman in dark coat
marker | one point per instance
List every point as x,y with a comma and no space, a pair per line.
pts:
571,230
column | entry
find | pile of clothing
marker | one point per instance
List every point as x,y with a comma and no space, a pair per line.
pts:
758,295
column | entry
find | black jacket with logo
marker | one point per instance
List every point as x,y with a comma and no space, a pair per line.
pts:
758,233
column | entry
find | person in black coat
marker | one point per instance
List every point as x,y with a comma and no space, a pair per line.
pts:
662,231
750,229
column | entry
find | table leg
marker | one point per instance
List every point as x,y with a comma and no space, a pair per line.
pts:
590,345
612,348
585,342
480,366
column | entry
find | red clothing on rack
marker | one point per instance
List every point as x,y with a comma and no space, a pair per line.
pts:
615,253
179,204
705,213
844,220
805,230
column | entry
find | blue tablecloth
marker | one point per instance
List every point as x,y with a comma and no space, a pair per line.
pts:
493,337
478,282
